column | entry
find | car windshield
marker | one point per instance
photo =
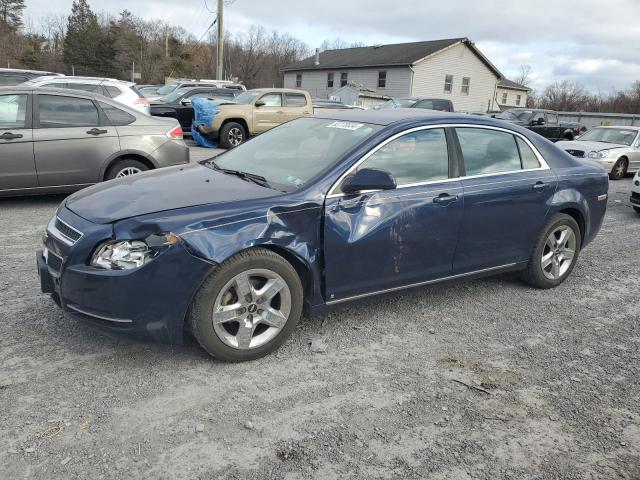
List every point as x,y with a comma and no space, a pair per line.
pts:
292,154
610,135
398,103
517,115
173,96
167,89
246,97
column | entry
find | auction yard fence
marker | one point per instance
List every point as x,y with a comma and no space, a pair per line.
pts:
591,120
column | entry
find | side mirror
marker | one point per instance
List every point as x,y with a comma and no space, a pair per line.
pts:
186,102
260,103
539,121
368,179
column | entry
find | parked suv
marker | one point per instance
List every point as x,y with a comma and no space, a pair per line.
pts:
121,91
12,76
54,140
173,86
440,104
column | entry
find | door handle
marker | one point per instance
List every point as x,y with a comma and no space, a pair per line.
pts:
540,186
96,131
445,199
10,136
280,111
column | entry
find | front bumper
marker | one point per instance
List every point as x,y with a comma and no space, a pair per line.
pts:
149,302
635,198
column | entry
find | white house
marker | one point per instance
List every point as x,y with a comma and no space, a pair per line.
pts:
453,69
511,94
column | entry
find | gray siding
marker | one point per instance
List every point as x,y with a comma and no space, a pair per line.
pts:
315,81
459,61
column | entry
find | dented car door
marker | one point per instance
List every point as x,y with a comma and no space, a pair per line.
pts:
381,240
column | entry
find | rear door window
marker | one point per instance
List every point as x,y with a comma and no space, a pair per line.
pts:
295,100
59,112
488,151
13,111
116,116
112,91
85,87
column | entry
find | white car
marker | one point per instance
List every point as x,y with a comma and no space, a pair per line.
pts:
616,148
635,193
121,91
177,84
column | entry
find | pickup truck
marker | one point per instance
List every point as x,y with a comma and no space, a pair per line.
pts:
254,112
543,122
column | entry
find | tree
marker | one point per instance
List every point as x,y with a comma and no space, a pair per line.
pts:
524,76
564,96
11,14
88,48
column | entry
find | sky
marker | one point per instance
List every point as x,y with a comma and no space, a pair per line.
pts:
593,42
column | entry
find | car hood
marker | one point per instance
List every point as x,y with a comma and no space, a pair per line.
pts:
587,146
160,190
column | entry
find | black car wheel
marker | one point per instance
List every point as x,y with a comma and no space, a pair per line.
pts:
619,170
124,168
247,307
232,134
555,253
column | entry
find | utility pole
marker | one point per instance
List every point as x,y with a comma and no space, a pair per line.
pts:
220,52
166,45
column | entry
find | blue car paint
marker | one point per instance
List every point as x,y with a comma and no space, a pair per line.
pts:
217,216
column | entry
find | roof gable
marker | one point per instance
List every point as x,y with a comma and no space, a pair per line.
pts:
399,54
505,83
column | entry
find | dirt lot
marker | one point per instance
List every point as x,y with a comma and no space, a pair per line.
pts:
557,377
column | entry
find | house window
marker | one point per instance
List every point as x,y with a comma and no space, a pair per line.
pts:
518,98
504,98
448,84
329,80
298,80
344,79
382,79
466,83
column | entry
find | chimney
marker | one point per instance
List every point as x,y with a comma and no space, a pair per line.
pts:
317,62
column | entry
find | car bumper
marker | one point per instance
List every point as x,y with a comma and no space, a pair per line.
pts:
635,198
172,152
209,132
149,302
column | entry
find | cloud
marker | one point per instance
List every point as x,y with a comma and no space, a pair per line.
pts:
592,41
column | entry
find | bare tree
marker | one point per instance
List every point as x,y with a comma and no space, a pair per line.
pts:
524,75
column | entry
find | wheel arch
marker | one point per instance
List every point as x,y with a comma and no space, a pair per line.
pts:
127,155
240,120
578,216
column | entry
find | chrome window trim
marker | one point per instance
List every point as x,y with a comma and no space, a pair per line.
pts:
333,193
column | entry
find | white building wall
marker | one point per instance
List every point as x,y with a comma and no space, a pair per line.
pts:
512,97
459,61
315,81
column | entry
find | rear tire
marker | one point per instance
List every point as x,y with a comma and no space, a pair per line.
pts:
555,254
124,168
619,170
247,307
232,134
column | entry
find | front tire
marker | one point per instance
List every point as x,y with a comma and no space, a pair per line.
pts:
232,134
619,170
555,253
247,307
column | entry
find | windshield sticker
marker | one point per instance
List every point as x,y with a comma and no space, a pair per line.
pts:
345,125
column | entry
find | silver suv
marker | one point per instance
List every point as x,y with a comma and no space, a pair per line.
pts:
61,140
120,90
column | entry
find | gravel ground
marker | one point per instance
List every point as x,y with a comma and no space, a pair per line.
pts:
550,382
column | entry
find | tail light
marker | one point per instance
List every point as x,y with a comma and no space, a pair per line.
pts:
175,133
141,101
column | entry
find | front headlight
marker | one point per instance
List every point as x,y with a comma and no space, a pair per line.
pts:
129,254
598,155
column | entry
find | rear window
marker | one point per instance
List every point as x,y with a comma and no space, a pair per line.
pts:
115,91
59,112
116,116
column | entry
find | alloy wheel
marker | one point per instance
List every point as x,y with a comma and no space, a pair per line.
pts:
128,171
251,309
235,136
620,168
559,252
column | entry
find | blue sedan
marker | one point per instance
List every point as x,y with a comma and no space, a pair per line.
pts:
318,212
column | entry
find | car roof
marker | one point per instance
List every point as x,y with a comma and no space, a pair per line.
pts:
62,91
399,115
70,79
21,70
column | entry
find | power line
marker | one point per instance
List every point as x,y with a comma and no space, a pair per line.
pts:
207,7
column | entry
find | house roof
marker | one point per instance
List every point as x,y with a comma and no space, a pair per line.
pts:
504,83
398,54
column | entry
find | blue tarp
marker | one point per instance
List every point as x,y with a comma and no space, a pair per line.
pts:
204,110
